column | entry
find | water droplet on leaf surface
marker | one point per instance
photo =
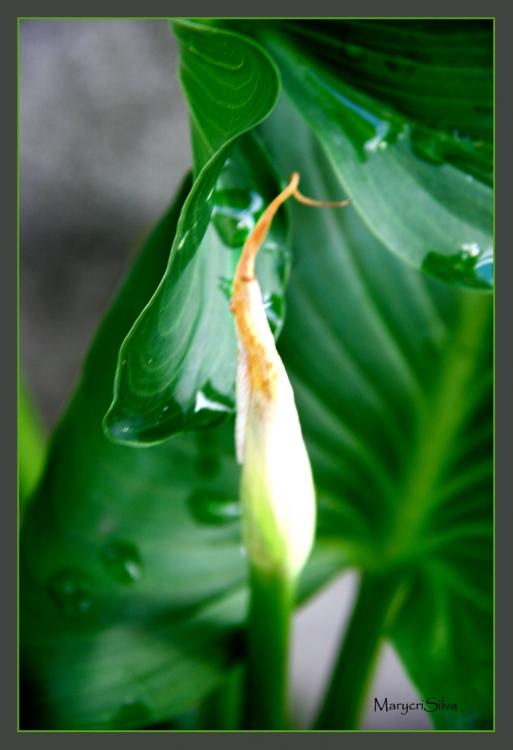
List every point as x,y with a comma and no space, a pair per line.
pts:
235,214
122,561
470,267
274,307
213,508
70,589
226,286
209,404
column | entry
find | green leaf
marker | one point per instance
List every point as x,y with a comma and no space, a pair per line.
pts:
392,374
31,444
130,561
172,374
132,579
421,187
132,575
438,74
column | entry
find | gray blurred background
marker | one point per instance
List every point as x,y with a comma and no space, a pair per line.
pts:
103,146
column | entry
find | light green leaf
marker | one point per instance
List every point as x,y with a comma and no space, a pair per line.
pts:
31,444
392,374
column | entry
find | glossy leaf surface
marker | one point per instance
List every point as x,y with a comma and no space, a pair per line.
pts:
132,573
121,550
393,380
423,192
132,577
172,372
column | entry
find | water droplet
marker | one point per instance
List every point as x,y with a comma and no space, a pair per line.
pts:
70,588
439,147
210,403
235,214
213,508
226,286
132,714
122,561
274,307
210,408
150,427
378,140
470,267
365,128
472,249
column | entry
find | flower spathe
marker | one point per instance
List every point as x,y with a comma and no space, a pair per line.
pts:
277,490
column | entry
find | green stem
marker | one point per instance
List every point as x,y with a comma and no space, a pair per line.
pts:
270,610
221,709
345,697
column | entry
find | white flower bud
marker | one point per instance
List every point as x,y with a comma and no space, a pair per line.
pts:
277,491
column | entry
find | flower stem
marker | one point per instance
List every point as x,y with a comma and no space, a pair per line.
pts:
268,631
346,694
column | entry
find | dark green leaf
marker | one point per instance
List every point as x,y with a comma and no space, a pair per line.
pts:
125,594
132,573
172,372
416,185
439,74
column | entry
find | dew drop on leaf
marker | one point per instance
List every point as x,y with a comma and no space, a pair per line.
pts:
226,286
122,561
70,589
274,311
470,267
235,214
213,508
208,405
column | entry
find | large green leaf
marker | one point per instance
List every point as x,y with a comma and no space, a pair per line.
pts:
392,373
172,372
132,577
126,554
423,191
438,74
132,570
